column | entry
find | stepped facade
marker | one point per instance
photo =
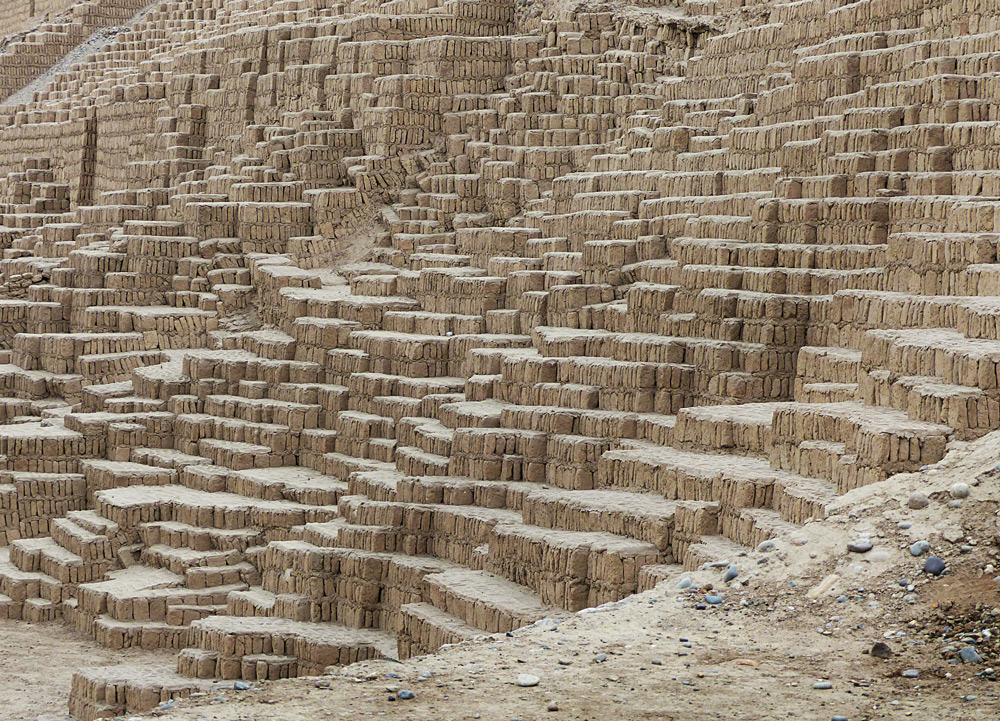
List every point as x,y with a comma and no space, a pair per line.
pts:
338,330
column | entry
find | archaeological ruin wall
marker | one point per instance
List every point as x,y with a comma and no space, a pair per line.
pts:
339,330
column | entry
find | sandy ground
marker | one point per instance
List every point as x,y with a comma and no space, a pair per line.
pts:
804,612
730,665
37,662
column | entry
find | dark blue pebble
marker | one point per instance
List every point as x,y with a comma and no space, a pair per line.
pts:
934,566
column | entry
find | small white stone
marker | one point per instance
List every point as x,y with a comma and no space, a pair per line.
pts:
526,680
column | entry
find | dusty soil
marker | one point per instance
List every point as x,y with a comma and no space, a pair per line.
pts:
803,612
37,662
739,665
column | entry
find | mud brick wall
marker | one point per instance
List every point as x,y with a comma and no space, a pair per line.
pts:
66,139
125,134
42,497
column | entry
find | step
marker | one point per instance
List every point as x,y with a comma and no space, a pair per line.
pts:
80,540
884,441
713,549
109,691
424,628
180,560
240,456
291,483
136,505
315,645
22,585
102,475
642,516
484,601
569,569
190,429
166,458
139,634
182,535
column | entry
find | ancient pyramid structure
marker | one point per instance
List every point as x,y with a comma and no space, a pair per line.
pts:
334,330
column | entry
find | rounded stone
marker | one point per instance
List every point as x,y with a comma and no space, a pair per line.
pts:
526,680
934,566
860,545
920,548
405,695
969,654
917,501
960,490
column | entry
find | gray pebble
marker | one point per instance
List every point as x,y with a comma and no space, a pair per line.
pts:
526,680
600,658
960,490
920,548
934,566
241,686
552,706
911,673
684,583
881,650
969,654
860,545
405,695
731,574
766,546
822,685
657,662
917,501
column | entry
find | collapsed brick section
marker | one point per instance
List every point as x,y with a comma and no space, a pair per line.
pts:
339,330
